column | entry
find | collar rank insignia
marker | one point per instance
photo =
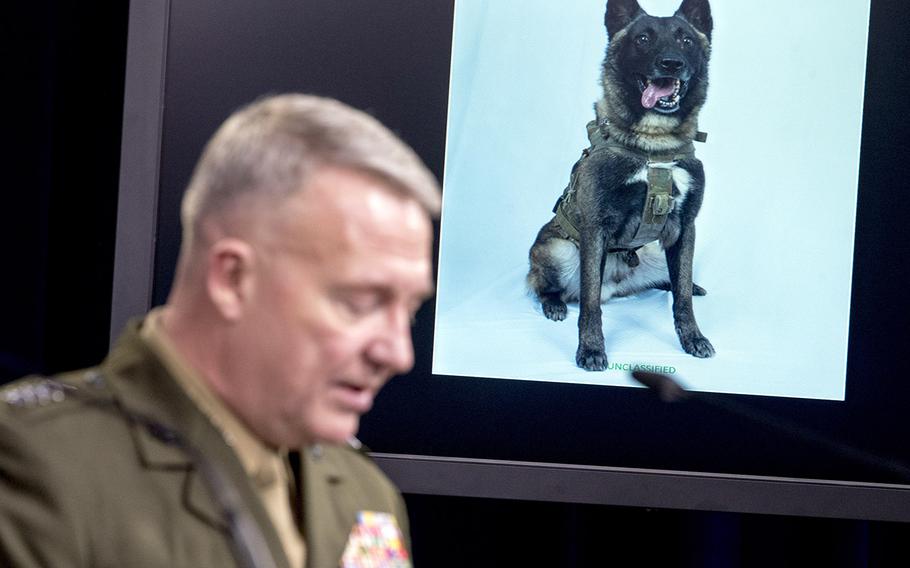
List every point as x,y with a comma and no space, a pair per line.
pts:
375,542
31,393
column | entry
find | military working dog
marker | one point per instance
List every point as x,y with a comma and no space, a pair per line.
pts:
626,221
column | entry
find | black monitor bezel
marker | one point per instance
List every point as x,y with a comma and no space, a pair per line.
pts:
451,463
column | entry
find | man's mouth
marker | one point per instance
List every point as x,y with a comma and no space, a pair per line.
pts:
661,93
355,397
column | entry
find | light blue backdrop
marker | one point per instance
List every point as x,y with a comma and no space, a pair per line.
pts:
775,235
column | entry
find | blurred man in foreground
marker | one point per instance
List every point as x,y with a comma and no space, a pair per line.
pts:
220,429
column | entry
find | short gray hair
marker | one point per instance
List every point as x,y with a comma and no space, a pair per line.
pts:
270,148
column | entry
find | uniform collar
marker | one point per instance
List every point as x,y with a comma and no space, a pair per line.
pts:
262,464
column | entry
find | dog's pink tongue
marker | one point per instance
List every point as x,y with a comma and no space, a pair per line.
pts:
653,92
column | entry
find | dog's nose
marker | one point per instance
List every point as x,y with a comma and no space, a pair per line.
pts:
670,65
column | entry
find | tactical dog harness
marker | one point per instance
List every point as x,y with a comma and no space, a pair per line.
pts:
659,200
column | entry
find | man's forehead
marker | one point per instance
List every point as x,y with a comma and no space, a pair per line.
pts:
338,209
358,193
351,190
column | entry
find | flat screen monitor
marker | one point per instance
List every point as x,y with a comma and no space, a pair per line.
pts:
801,244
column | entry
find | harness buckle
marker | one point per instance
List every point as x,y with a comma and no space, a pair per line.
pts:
661,204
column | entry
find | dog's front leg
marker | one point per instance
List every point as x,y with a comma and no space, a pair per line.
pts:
590,354
679,262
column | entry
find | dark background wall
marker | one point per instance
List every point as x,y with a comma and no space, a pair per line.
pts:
57,222
61,164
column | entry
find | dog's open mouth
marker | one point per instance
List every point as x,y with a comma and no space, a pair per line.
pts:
661,94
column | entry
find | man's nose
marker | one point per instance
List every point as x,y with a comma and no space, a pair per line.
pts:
393,348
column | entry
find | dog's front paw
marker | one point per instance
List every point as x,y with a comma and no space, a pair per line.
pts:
698,346
554,309
591,359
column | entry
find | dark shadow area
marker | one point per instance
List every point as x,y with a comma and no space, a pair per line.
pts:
58,216
481,533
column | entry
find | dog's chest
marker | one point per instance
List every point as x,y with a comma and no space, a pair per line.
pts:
682,179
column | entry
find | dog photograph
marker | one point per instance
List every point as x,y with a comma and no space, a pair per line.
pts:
588,142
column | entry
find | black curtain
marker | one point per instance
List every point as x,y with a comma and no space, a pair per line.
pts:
58,211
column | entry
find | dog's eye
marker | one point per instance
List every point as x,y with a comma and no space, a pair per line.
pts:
642,39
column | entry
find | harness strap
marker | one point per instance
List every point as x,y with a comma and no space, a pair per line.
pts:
659,202
562,217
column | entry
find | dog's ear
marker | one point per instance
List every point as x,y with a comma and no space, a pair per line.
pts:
697,13
620,14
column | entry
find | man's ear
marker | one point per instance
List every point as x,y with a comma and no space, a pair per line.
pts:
229,276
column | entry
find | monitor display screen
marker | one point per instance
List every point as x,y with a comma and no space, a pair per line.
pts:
775,233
